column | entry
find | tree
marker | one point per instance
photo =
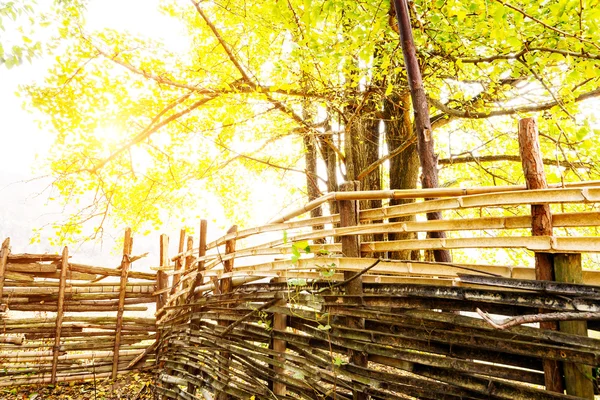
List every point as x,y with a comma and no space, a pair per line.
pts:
27,26
261,83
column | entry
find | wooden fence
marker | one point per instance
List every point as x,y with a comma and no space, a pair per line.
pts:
289,310
63,321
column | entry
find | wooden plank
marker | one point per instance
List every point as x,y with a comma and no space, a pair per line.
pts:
4,252
578,382
29,258
567,289
60,311
111,272
73,275
31,268
125,264
541,225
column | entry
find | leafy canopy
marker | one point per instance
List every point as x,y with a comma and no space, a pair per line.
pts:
147,127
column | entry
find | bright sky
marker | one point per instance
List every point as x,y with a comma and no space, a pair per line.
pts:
21,207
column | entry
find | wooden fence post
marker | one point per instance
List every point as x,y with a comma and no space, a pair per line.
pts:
578,377
227,287
162,280
279,324
3,260
189,260
60,311
351,248
191,388
125,264
201,253
541,225
178,262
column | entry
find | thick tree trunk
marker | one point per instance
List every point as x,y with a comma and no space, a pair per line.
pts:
362,149
427,156
404,168
312,183
330,158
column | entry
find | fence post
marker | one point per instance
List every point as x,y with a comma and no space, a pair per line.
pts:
125,264
351,248
162,280
3,260
541,225
226,286
178,263
278,345
200,267
60,311
578,377
189,260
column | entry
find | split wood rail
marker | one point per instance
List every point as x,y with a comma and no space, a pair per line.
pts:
63,321
285,311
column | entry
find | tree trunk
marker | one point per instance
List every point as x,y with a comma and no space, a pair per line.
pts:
404,168
312,183
427,156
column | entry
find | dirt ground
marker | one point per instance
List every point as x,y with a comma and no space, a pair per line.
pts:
133,386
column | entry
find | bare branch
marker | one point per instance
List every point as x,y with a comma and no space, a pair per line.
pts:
528,319
393,154
149,131
511,158
510,110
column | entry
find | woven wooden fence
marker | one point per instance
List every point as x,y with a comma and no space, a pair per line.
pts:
64,321
286,311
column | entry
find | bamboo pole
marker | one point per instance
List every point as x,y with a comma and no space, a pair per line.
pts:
415,194
349,211
541,225
60,311
125,264
3,261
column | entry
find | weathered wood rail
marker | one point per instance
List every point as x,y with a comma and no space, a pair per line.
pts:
265,311
63,321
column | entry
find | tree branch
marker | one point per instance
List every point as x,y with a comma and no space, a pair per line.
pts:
514,56
528,319
545,25
507,111
511,158
393,154
149,131
235,88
